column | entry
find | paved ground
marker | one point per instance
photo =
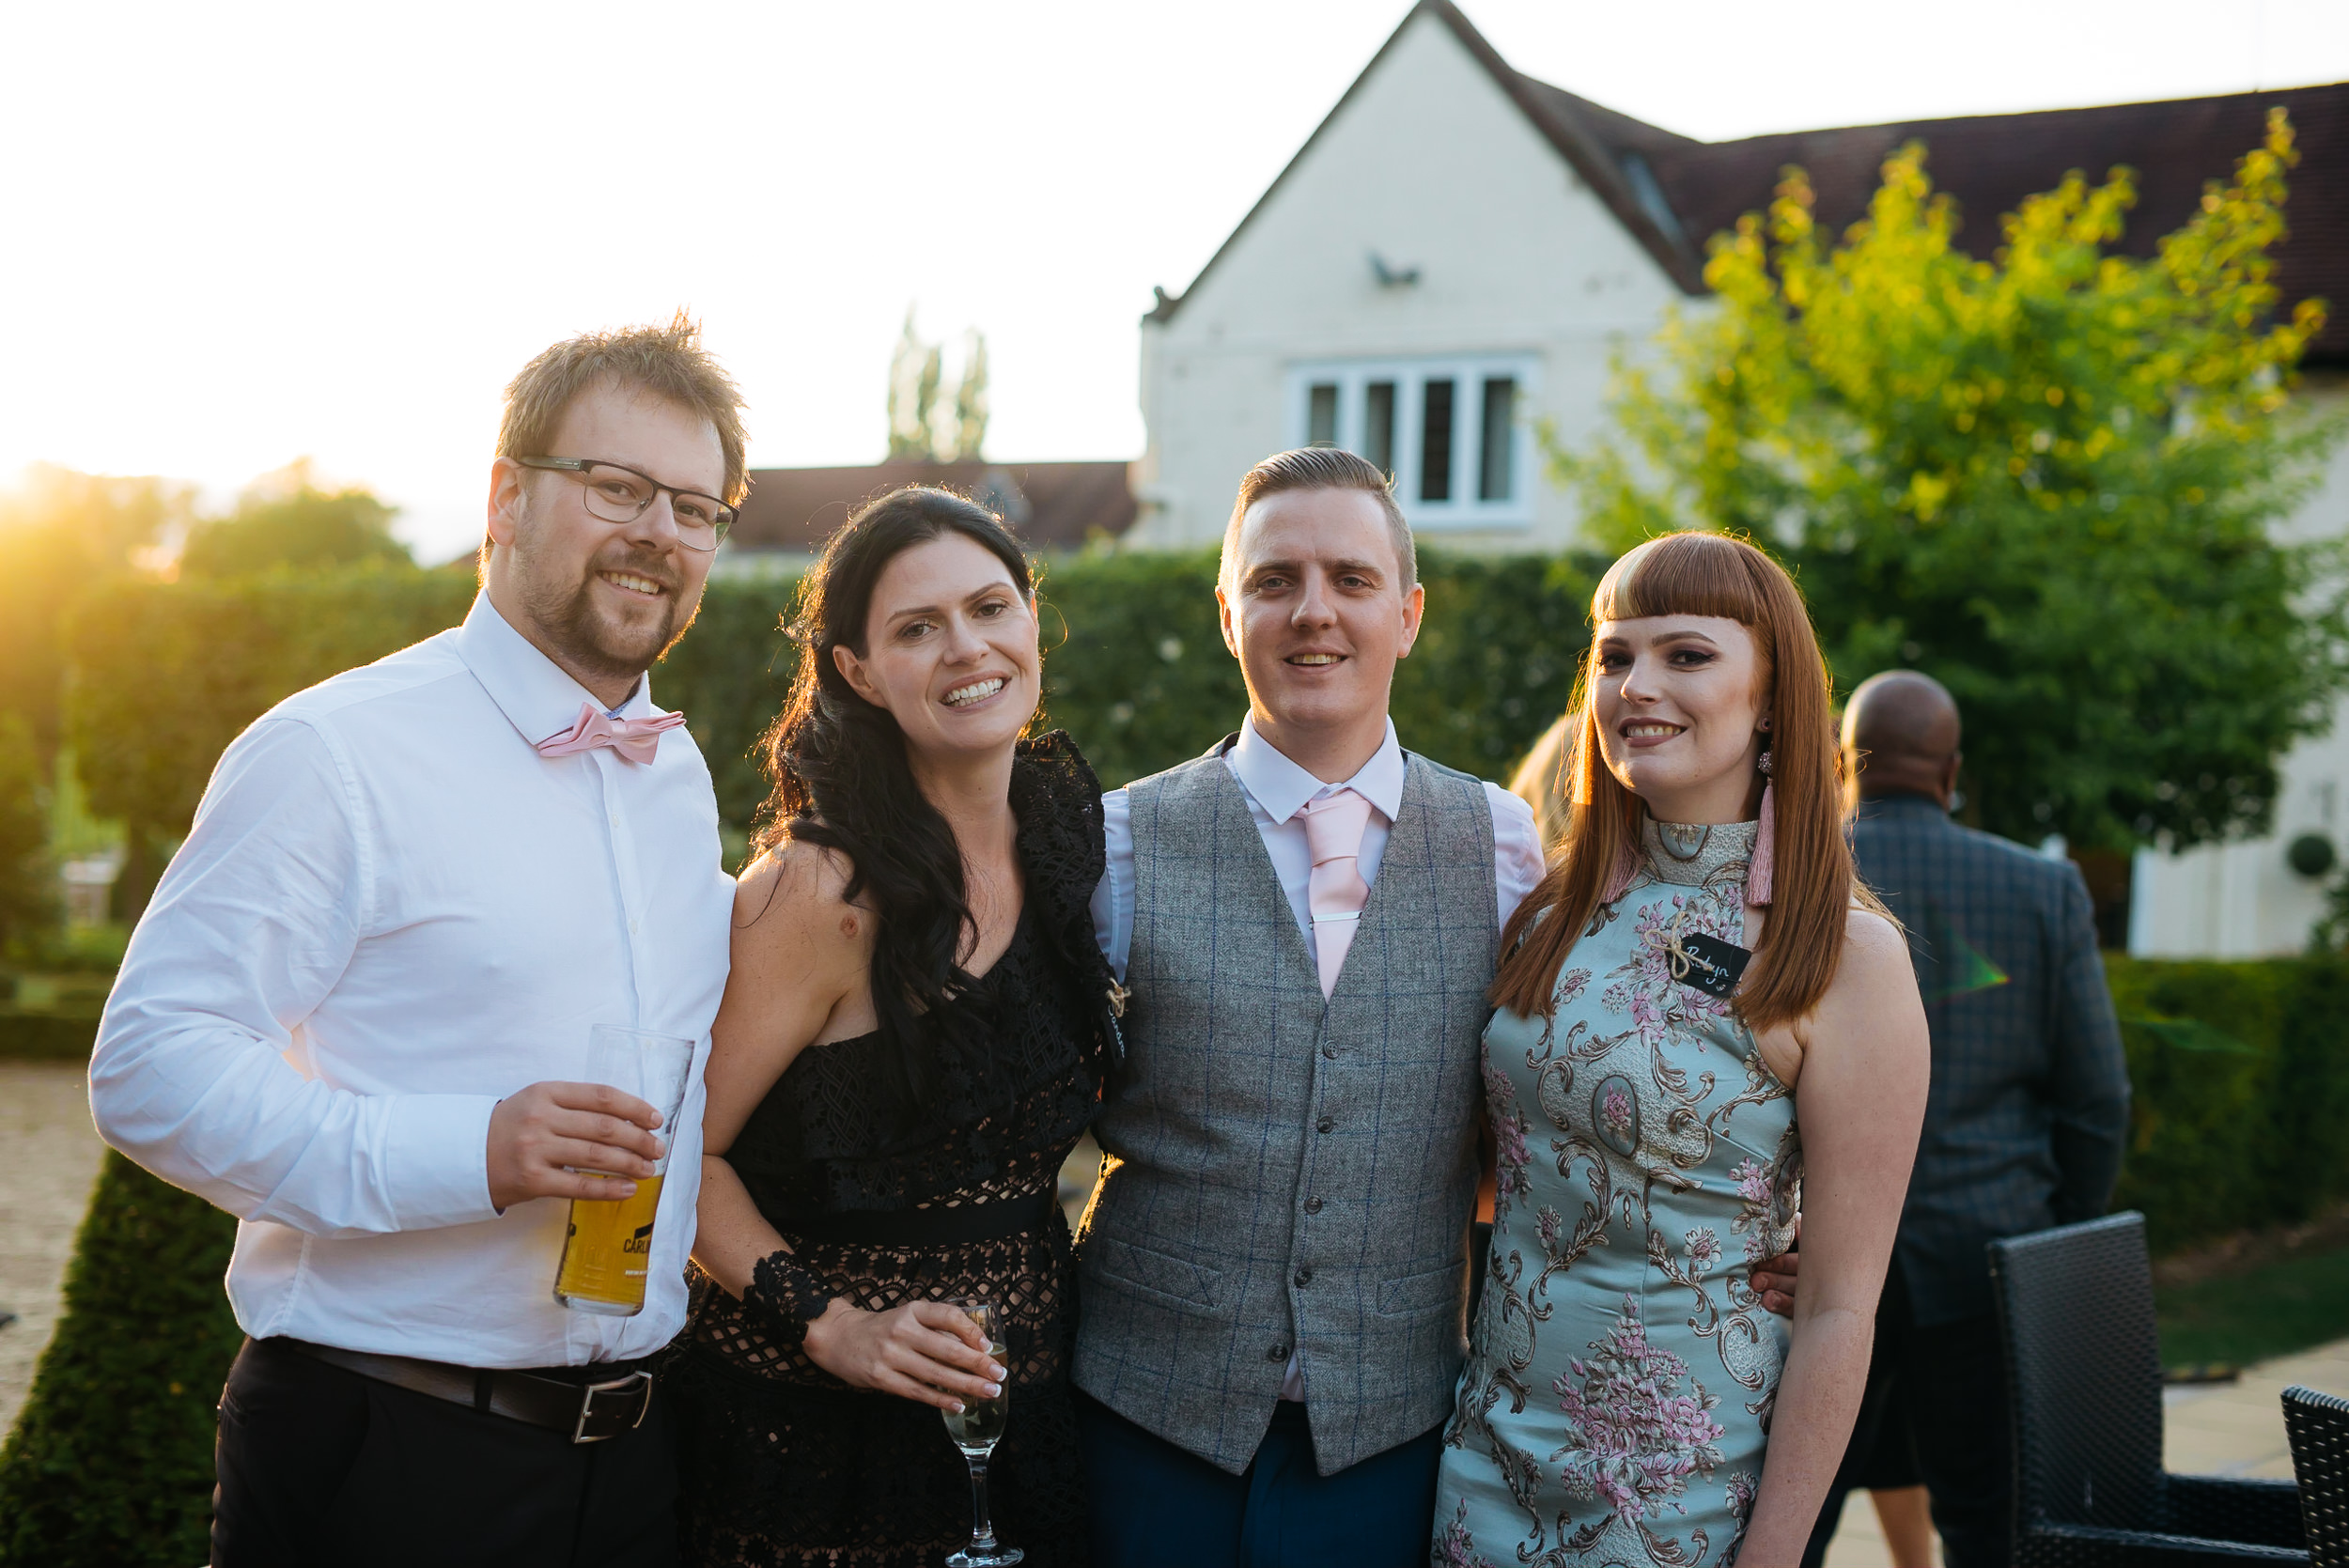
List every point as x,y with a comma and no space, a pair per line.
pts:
2230,1429
48,1159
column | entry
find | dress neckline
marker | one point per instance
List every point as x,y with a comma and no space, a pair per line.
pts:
1692,854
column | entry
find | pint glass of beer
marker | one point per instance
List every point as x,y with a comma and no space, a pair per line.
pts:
609,1244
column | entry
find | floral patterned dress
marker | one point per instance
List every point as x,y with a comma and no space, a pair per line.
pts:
1621,1370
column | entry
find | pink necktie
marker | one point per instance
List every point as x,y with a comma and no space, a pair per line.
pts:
1335,893
636,740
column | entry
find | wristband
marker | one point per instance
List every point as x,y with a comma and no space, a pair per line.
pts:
786,1296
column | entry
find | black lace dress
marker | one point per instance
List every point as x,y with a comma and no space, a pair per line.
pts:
893,1193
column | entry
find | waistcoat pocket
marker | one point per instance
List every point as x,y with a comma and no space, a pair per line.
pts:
1416,1295
1174,1281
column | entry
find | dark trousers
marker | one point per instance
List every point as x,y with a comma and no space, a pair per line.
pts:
321,1467
1942,1392
1159,1506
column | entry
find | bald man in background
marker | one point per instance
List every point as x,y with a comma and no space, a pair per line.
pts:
2025,1121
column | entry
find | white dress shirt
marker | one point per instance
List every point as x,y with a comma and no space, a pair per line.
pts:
1277,790
391,912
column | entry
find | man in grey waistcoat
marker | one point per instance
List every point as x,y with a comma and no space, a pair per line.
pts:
1275,1262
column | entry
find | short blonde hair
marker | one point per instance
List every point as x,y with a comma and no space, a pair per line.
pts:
667,360
1320,468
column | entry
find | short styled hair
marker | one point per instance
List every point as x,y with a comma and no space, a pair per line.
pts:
667,360
1320,468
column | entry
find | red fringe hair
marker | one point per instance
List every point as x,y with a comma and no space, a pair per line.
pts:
1814,882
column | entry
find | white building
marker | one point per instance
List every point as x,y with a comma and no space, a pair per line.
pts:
1458,251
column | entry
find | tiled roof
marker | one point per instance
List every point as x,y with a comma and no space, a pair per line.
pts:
1989,163
1672,194
1049,505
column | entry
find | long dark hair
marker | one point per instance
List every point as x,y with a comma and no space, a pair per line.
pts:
839,766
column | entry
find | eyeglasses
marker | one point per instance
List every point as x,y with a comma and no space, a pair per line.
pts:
617,493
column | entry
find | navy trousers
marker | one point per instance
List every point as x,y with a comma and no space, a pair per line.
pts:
1159,1506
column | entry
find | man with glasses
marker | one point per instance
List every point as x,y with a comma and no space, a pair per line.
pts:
357,1013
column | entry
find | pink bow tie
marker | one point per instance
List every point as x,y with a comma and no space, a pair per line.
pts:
635,739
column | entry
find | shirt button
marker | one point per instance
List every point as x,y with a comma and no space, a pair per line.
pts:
1278,1353
1312,1205
1324,1124
1304,1277
631,927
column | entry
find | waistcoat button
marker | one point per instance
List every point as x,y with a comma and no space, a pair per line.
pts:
1304,1277
1278,1353
1324,1124
1330,1051
1313,1205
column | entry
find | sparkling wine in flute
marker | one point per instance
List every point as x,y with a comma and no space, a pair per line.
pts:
976,1428
979,1425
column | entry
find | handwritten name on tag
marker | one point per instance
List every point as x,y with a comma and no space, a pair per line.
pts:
1715,966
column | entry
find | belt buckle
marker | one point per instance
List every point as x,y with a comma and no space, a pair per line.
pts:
641,1382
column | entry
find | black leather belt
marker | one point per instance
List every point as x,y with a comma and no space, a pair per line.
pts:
586,1412
929,1227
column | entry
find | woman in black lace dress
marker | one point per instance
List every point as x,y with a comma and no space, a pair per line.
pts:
912,1039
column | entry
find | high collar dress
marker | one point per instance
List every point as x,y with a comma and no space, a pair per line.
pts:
1622,1371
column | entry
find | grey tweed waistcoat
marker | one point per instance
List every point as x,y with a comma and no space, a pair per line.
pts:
1286,1172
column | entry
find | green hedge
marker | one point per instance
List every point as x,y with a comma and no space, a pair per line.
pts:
110,1465
165,674
2240,1073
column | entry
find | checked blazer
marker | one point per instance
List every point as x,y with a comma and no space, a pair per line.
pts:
2029,1103
1286,1172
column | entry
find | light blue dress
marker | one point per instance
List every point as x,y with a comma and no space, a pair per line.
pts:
1622,1371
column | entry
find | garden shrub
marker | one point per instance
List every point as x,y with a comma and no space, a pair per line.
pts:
2240,1079
110,1465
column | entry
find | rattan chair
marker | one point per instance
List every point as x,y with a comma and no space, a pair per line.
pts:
2319,1426
2083,1371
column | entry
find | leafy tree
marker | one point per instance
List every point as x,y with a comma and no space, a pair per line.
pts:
28,894
923,427
284,519
62,532
2049,479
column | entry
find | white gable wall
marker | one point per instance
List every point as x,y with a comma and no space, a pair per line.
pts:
1429,165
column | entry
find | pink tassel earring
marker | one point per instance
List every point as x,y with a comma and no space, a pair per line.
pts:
1764,841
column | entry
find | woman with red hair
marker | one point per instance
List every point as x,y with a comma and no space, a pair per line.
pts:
1705,1024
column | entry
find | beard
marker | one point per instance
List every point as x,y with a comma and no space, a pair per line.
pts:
590,640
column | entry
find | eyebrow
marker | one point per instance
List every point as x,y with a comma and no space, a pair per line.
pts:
1360,567
969,598
1689,635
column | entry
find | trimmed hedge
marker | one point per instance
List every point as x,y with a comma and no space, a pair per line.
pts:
2241,1080
110,1465
165,674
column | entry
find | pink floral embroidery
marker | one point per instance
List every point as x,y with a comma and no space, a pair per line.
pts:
1455,1547
1632,1438
1618,1112
1704,1250
1511,1159
1754,1181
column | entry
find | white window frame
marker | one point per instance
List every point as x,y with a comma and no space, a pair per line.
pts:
1468,374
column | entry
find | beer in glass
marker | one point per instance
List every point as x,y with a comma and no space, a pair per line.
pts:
608,1246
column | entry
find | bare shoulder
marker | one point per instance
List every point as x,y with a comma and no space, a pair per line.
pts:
793,898
1872,939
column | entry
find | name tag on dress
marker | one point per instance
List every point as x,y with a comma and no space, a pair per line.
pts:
1714,966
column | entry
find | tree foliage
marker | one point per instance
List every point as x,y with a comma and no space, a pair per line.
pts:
2050,478
62,533
924,428
286,520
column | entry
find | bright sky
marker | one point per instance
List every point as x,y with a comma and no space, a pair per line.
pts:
244,232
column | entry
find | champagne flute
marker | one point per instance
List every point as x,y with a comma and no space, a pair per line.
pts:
976,1428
